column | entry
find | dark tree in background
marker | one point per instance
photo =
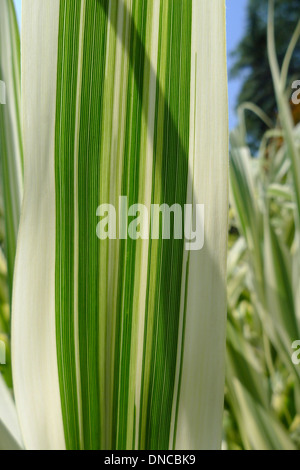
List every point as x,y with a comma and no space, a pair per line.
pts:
251,60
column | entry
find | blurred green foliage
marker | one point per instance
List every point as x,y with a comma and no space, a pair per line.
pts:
262,396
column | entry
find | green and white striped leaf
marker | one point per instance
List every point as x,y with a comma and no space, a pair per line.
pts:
121,342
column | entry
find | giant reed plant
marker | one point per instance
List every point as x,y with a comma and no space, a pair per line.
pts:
119,344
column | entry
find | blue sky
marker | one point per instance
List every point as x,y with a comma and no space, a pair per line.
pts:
236,23
236,18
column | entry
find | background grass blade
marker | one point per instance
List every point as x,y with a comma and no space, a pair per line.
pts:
11,153
10,435
11,166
